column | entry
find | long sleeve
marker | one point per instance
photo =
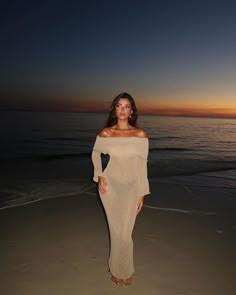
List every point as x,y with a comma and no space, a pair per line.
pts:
143,174
143,179
97,163
96,158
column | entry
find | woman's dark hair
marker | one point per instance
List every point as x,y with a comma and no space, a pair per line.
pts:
112,119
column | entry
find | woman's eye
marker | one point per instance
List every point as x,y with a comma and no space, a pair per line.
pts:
120,106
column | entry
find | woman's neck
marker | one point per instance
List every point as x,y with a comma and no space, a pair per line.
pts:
123,126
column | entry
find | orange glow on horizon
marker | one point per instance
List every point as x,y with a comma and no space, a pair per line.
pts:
163,111
187,107
206,107
171,111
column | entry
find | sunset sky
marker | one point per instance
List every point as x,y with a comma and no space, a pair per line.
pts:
174,57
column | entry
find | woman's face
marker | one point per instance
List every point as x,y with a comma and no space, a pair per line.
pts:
123,109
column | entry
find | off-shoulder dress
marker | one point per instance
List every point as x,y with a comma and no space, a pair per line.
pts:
126,177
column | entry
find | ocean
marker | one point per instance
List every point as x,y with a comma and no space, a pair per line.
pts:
197,153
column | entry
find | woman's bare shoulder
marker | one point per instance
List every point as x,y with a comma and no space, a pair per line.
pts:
141,133
105,132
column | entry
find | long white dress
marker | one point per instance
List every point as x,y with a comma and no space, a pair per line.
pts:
126,177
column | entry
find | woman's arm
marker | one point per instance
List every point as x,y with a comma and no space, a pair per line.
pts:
143,177
97,163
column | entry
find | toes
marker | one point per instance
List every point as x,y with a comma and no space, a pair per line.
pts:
122,282
127,282
116,280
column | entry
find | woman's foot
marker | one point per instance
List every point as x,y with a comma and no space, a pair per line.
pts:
122,282
116,280
127,282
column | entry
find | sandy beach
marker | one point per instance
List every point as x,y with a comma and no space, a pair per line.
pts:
134,84
61,246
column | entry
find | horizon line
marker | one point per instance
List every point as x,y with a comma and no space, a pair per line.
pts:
212,116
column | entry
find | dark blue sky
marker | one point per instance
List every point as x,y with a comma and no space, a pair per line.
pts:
74,55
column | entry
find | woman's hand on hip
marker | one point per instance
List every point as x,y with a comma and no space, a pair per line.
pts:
102,184
140,204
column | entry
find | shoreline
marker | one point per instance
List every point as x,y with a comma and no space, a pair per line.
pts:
204,193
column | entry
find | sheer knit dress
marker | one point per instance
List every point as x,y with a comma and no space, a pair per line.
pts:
126,177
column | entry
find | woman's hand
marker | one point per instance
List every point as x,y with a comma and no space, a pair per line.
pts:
102,184
140,204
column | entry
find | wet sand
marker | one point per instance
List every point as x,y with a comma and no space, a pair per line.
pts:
61,246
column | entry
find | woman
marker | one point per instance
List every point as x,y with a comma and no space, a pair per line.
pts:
123,183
